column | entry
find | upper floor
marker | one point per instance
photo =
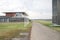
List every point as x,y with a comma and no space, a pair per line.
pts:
16,14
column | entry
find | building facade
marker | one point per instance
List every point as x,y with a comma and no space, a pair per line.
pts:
56,12
14,17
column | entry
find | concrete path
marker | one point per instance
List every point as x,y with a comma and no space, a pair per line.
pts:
40,32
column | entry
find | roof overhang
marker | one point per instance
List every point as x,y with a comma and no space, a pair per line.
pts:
16,12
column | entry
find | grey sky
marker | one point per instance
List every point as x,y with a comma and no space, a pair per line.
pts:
38,5
35,8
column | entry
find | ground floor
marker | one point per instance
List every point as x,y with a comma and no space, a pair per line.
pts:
14,20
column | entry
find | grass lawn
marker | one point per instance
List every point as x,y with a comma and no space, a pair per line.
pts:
12,29
48,23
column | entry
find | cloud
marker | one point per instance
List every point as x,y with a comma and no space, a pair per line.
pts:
11,5
34,8
39,8
38,5
37,15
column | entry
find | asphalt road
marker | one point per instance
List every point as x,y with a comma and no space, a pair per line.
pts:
41,32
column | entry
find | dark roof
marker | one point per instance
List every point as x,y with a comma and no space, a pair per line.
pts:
4,17
25,14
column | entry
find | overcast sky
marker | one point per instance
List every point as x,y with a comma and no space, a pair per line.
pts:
41,9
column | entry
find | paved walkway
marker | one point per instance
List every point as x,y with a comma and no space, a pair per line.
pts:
40,32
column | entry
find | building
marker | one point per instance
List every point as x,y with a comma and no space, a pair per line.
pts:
14,17
56,12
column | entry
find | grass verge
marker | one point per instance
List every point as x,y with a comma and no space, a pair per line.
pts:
48,23
9,30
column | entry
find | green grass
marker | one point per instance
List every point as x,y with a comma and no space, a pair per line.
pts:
8,30
10,26
56,28
48,23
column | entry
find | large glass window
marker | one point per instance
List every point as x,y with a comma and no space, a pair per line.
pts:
18,14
